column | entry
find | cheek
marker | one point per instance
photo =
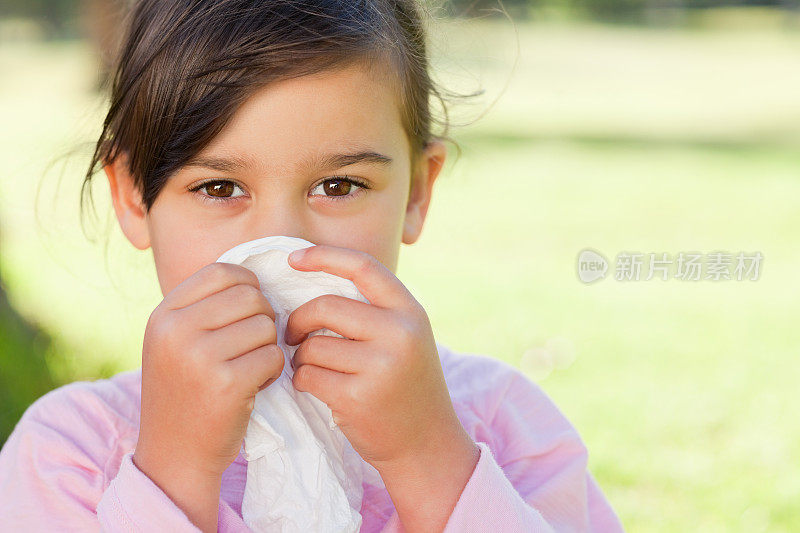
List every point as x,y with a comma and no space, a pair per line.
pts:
387,226
381,235
376,231
175,260
179,249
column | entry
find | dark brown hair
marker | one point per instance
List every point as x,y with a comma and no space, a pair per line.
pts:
185,66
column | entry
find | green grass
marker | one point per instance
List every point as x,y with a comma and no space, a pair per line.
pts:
618,139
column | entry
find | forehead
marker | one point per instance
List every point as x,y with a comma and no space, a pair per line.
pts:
351,106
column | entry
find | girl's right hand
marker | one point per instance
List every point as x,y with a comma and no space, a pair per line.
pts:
209,347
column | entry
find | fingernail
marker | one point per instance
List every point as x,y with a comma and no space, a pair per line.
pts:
297,255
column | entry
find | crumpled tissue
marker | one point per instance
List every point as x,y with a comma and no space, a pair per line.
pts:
303,475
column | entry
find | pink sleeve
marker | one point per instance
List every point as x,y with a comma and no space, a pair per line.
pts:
535,477
132,502
53,474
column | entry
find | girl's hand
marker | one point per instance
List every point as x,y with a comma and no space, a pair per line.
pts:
384,382
209,348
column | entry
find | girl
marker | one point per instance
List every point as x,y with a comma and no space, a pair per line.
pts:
236,119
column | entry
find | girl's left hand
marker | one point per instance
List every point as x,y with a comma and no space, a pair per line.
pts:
384,382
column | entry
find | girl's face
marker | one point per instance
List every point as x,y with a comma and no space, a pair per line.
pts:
277,169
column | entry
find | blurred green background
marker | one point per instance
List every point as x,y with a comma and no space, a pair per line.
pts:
622,127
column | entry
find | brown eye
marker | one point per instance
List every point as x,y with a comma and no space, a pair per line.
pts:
339,188
218,191
336,187
219,188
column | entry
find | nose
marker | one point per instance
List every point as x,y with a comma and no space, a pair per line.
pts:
280,217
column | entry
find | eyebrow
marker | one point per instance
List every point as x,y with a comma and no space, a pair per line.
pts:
323,162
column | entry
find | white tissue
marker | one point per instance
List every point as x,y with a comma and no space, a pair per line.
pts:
303,475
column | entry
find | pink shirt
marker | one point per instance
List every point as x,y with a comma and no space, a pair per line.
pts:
67,464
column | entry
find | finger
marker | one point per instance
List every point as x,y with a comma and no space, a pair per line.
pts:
208,280
260,367
341,355
347,317
327,385
228,306
241,337
376,282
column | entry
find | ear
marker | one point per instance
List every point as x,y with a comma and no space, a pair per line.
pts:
422,178
128,203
